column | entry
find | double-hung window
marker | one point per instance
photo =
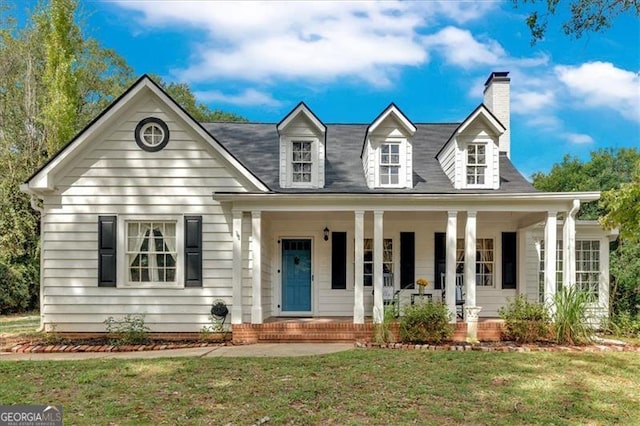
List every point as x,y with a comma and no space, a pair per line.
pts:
151,253
389,164
387,259
588,266
559,268
485,263
301,161
476,164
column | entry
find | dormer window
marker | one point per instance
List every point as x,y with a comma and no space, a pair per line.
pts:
476,164
389,164
302,149
301,162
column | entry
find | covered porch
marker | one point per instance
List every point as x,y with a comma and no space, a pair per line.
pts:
480,242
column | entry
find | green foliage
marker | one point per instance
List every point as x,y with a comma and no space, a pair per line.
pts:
623,207
426,323
183,95
525,321
131,330
585,15
606,169
625,324
63,42
570,320
625,286
17,292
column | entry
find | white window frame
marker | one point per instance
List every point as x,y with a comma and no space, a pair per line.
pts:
559,268
314,162
460,260
387,258
401,164
483,166
588,279
123,264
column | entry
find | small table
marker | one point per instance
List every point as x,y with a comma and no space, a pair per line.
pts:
422,296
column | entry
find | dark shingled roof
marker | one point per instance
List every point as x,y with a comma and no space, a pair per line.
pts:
257,147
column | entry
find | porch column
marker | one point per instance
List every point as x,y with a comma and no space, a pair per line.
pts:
569,245
550,257
378,306
358,284
450,273
256,283
236,234
470,259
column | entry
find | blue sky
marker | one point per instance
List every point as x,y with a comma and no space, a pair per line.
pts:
348,61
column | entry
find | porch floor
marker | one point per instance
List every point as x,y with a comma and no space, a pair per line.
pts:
339,329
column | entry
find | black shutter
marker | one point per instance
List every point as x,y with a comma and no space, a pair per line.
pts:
193,251
407,259
338,260
509,260
440,258
107,242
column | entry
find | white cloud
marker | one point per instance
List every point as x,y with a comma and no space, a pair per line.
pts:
261,41
524,102
601,84
460,48
249,97
578,138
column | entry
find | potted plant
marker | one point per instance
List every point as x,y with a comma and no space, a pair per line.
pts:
422,283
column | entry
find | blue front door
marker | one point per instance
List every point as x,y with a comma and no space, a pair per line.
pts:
296,275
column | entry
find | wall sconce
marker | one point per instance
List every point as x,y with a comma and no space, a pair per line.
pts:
326,233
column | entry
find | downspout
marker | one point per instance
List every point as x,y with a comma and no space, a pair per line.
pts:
35,206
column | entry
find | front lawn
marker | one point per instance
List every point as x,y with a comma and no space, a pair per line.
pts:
19,325
353,387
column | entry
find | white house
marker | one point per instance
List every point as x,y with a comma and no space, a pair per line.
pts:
149,212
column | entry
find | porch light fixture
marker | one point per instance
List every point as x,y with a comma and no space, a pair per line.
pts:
326,233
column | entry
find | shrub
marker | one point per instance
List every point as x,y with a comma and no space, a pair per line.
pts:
131,330
570,320
625,324
525,321
426,323
14,289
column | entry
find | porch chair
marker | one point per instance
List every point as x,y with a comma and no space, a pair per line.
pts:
460,296
390,296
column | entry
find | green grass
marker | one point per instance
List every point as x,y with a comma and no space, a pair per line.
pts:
19,325
353,387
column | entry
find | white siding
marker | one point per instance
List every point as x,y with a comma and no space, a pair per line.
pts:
113,176
447,159
329,302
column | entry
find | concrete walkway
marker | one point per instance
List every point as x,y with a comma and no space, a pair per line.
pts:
257,350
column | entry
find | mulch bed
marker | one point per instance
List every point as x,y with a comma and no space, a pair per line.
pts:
103,346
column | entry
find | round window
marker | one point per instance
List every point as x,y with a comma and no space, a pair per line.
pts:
152,134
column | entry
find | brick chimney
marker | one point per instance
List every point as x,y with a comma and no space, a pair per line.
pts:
496,99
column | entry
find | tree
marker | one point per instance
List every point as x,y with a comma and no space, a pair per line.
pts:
607,169
622,207
585,15
31,85
62,45
183,95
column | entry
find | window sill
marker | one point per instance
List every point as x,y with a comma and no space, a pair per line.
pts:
152,285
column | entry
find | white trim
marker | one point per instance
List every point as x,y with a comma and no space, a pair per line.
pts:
301,109
236,284
484,112
122,277
550,242
378,246
278,258
392,109
470,260
256,267
315,159
43,180
402,161
358,286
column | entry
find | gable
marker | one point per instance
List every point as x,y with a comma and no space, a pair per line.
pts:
143,89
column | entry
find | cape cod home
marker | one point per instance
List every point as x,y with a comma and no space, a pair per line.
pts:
149,212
